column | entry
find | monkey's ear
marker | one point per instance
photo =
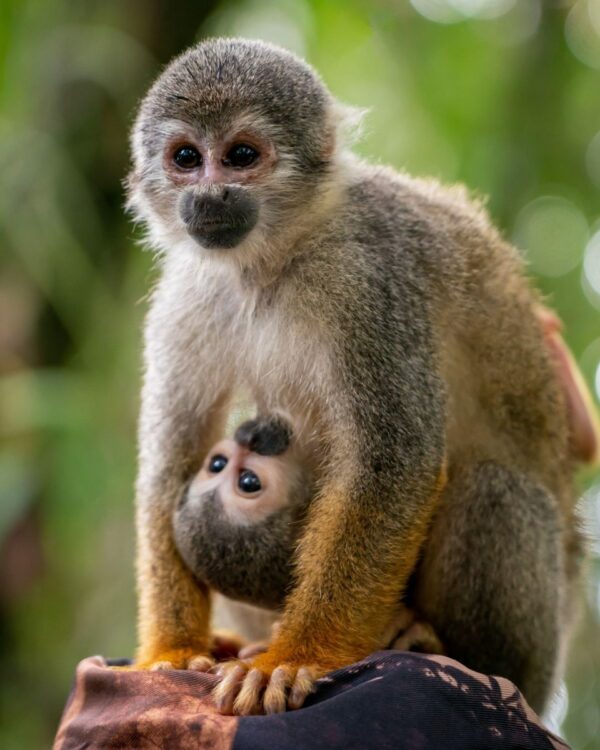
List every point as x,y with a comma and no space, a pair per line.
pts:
345,126
131,185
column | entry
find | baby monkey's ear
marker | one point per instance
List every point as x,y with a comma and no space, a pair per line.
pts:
267,436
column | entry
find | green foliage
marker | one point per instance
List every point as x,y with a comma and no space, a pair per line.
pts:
501,95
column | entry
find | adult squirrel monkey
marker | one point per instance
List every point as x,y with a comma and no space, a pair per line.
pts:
389,320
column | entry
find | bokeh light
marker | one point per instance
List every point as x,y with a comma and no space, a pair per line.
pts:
592,159
452,11
284,22
552,231
582,31
591,262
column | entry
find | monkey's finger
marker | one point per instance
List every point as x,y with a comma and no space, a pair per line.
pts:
248,699
303,686
200,663
253,649
226,645
159,666
275,699
226,691
420,636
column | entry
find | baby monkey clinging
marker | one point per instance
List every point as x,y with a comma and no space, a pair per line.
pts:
394,326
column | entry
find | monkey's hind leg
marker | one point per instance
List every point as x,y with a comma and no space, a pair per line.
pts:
491,581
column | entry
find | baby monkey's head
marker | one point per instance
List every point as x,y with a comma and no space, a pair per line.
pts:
237,524
232,138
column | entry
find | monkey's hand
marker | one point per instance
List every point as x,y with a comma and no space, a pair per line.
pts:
177,658
421,637
223,645
259,686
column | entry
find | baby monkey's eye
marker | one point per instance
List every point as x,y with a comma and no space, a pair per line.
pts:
187,157
217,463
249,482
241,155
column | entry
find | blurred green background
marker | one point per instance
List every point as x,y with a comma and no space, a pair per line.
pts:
502,95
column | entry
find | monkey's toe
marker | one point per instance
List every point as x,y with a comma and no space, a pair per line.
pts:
420,637
232,676
159,666
275,699
200,663
251,689
245,690
253,649
182,658
303,686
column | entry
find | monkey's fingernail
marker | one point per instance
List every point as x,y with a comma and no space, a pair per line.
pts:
248,699
200,663
228,688
275,694
159,666
303,686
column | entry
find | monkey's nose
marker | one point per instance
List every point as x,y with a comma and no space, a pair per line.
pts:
206,207
219,217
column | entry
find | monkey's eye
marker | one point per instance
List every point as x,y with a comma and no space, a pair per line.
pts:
187,157
241,155
217,463
249,482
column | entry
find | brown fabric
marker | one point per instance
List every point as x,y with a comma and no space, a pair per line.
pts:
392,700
112,708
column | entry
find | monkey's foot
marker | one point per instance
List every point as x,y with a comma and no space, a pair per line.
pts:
255,648
420,637
245,689
177,658
225,644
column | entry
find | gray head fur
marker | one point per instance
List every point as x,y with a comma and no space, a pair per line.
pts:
222,85
218,80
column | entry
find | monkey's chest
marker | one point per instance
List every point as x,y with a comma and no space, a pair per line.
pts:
282,362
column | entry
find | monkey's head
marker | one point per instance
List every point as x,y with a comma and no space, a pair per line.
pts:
237,524
232,138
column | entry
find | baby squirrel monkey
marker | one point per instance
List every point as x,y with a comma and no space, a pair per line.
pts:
388,318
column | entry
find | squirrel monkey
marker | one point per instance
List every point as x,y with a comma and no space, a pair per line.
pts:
237,525
389,319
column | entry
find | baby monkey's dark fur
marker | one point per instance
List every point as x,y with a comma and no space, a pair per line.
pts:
249,562
387,317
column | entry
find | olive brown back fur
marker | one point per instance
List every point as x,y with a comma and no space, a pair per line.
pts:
387,317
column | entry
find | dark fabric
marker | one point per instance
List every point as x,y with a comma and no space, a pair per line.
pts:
392,699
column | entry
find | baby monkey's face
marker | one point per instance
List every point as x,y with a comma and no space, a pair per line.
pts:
249,487
237,524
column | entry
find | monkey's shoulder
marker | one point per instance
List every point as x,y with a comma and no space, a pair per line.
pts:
409,204
419,226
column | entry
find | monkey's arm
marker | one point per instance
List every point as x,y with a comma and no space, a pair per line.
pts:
174,609
384,477
182,415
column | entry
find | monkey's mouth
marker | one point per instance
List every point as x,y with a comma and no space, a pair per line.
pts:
220,235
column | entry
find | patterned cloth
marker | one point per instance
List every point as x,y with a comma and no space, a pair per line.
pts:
392,699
